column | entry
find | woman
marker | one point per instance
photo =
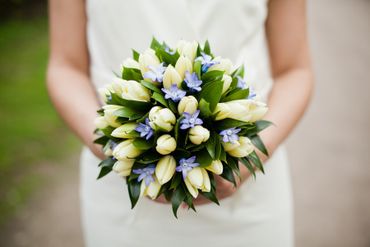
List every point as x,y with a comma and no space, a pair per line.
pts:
90,38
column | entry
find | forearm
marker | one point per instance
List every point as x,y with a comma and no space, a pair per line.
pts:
287,102
74,98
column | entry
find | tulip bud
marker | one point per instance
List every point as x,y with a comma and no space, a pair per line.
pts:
126,150
165,169
187,104
245,110
103,93
222,65
198,134
183,64
161,119
216,167
123,167
196,179
146,59
240,148
132,90
125,131
165,144
107,151
100,122
109,116
227,82
152,190
130,63
187,49
171,76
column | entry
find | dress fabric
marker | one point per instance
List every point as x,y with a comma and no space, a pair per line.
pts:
260,212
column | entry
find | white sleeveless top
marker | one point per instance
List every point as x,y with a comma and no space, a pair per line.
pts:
259,213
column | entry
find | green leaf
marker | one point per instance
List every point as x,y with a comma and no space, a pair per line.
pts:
189,201
262,124
131,74
176,180
107,131
236,94
150,86
172,106
211,76
249,166
233,163
177,198
207,48
155,44
257,142
101,140
204,108
210,196
211,93
177,127
197,68
139,106
127,113
142,144
213,146
203,158
231,123
133,191
238,72
148,157
135,55
166,57
160,99
228,175
256,161
105,167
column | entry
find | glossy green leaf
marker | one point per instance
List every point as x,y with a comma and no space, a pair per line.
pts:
211,93
135,55
257,142
203,158
228,175
256,161
249,166
236,94
150,86
178,197
204,108
133,191
142,144
131,74
160,99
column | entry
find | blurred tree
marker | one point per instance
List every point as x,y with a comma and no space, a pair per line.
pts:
21,8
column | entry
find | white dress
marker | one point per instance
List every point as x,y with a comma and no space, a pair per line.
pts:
260,212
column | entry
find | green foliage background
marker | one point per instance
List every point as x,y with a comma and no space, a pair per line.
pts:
31,133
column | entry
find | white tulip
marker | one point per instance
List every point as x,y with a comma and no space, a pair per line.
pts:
187,104
123,167
197,178
132,90
198,134
126,150
152,190
100,122
245,110
188,49
148,58
165,144
161,119
171,76
165,169
130,63
183,64
227,82
109,116
241,148
222,65
216,167
124,131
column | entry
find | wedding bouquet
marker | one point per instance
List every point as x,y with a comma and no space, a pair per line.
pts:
175,118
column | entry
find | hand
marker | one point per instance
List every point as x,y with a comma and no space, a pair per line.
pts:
97,150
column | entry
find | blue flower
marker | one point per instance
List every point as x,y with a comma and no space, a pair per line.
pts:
145,130
186,165
155,73
146,174
252,93
230,135
192,81
206,62
190,120
241,83
168,50
174,93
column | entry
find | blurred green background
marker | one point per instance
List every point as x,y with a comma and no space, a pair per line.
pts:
31,133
